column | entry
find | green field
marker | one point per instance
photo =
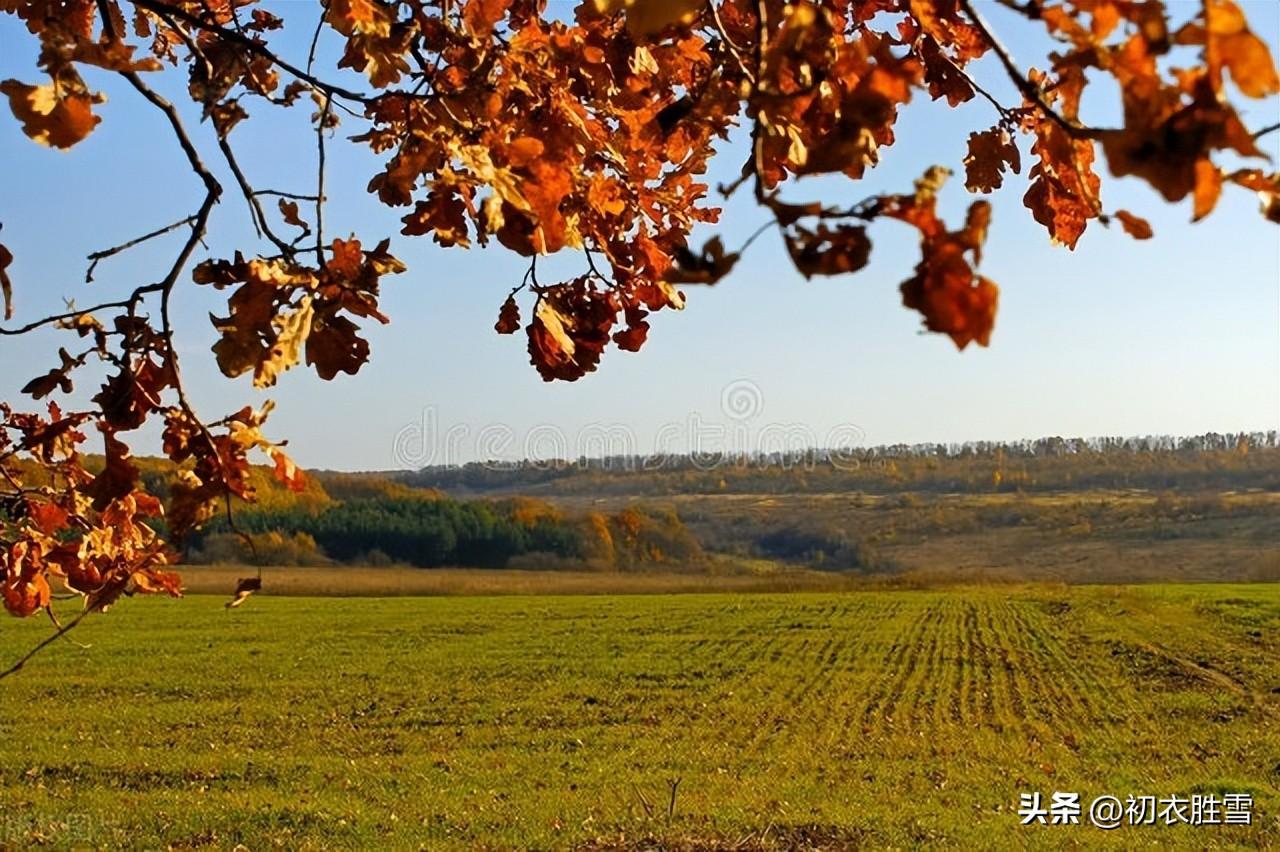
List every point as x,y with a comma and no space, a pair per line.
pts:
821,719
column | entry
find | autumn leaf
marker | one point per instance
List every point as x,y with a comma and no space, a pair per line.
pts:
1232,44
1064,188
57,378
945,79
293,327
828,251
709,266
289,210
1207,189
153,581
1134,226
334,346
119,476
508,317
286,472
52,117
245,587
570,329
991,152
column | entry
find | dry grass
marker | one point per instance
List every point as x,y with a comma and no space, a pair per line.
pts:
397,582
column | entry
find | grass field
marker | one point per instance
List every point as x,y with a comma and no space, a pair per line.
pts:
820,719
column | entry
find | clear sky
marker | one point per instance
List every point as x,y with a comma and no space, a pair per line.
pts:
1179,334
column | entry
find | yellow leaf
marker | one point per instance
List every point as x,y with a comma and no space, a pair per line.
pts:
294,327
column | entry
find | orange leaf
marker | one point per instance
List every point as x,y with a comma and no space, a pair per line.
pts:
1134,226
1208,188
59,121
287,473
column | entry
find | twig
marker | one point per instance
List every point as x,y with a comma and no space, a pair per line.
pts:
1028,8
296,196
105,253
320,128
48,640
256,213
733,48
133,299
1029,89
315,36
253,46
1270,128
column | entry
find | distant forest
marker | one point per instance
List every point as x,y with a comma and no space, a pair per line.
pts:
1213,461
854,511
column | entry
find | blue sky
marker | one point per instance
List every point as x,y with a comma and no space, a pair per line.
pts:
1179,334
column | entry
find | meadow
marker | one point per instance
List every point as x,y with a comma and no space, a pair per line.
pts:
746,720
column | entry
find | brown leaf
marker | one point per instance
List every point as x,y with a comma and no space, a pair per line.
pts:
990,153
58,377
289,210
119,476
245,587
645,17
335,346
708,267
1134,226
828,251
570,329
942,75
508,317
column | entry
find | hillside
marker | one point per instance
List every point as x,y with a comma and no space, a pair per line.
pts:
1113,510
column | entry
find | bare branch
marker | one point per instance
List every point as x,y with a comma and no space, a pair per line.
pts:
130,303
320,129
105,253
1270,128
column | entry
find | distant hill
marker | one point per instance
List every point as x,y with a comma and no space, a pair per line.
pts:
1084,510
1223,462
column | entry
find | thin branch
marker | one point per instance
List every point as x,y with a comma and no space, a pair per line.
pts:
315,36
320,129
105,253
724,36
1029,9
130,302
296,196
1270,128
757,232
253,46
256,213
48,640
1028,89
212,194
